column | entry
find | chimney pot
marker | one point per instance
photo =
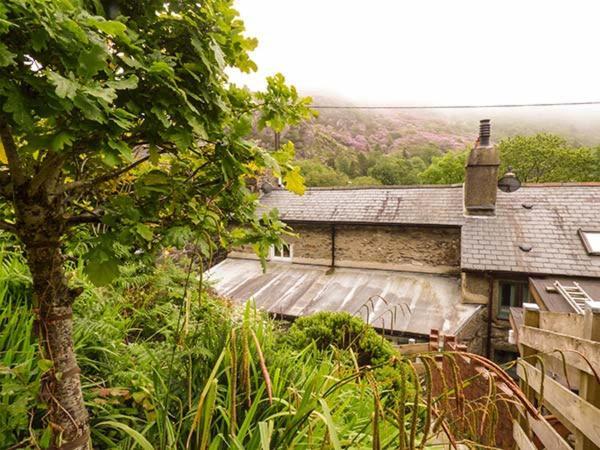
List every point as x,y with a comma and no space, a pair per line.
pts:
485,131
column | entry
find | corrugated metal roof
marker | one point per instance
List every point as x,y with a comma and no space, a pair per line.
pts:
549,226
421,301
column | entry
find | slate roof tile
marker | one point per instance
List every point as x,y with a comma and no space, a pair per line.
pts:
487,243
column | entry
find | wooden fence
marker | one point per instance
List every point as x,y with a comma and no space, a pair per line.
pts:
559,373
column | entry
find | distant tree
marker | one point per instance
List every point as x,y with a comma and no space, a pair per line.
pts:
425,152
317,174
447,169
365,181
547,157
347,164
367,160
391,170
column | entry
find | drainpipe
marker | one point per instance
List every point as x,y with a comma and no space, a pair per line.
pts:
490,308
332,246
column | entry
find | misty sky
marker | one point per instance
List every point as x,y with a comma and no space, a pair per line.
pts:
429,51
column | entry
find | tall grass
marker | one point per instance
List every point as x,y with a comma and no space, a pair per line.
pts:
228,379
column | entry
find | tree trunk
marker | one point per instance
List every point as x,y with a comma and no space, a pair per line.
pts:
40,227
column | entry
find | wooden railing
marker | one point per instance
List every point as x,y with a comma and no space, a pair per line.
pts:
559,372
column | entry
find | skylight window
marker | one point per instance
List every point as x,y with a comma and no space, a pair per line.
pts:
591,241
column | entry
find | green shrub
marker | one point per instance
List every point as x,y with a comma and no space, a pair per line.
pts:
343,331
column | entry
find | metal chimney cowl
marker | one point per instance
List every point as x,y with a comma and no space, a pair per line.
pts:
481,177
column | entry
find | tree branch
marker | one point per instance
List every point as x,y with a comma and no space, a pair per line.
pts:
7,226
86,184
50,167
10,148
6,185
83,218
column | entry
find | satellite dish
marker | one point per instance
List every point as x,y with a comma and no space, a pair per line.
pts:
509,182
266,187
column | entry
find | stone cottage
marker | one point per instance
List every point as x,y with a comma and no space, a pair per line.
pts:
412,258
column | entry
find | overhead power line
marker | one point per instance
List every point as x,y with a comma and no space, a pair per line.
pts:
507,105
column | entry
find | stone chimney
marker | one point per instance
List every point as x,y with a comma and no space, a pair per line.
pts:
481,176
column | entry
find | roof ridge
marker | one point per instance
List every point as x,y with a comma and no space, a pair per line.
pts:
441,186
381,188
564,184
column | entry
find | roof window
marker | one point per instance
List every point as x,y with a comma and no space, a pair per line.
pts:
591,241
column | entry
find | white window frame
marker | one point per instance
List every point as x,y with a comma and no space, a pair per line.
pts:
274,257
589,248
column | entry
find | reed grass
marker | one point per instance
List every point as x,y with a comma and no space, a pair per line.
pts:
232,380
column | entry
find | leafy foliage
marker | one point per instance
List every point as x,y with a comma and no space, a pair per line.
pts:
88,100
534,159
546,157
392,170
165,365
343,331
316,173
447,169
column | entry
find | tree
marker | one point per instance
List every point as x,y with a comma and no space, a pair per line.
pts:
396,170
447,169
365,181
318,174
546,157
347,164
125,121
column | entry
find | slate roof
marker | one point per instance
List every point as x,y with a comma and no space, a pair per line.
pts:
421,301
487,243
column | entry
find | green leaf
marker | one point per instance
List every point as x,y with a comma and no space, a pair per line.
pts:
16,104
46,438
44,364
123,149
241,127
154,154
144,231
110,158
294,181
102,273
107,94
131,61
182,139
72,27
162,68
110,27
65,88
92,61
161,115
219,56
123,118
89,109
137,437
59,141
178,236
39,39
7,58
126,83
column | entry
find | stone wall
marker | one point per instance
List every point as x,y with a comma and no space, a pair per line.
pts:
475,288
409,248
398,247
313,243
474,333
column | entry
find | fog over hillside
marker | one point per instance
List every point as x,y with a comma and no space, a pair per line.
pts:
393,131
